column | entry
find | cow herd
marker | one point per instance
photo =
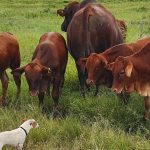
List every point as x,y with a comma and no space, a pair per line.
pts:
95,39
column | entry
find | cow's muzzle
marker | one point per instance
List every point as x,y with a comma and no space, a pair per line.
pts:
89,82
116,90
34,93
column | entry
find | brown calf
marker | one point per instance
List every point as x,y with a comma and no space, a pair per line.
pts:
48,65
10,58
95,64
132,73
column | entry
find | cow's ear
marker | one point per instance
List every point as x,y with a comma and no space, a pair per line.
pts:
82,62
104,62
18,71
110,66
46,70
128,69
61,12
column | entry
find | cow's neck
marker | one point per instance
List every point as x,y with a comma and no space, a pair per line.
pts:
140,79
37,61
110,57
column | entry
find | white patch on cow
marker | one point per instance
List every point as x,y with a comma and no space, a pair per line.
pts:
51,33
128,70
144,89
48,40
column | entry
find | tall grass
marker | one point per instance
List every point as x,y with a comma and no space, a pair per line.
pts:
100,123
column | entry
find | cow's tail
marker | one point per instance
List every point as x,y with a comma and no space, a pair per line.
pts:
88,12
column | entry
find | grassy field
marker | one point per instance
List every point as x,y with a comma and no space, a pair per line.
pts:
97,123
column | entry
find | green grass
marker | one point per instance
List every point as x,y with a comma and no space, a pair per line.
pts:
100,123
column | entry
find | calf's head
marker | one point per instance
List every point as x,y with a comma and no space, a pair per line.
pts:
35,75
122,70
95,68
68,13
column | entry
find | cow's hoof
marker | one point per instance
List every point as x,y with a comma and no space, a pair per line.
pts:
146,116
44,110
125,102
57,113
3,103
97,94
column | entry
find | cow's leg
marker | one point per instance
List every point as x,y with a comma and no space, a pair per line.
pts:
17,80
97,90
48,87
82,79
41,98
61,83
56,94
147,108
4,80
15,64
56,89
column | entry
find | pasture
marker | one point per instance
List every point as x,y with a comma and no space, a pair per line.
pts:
100,123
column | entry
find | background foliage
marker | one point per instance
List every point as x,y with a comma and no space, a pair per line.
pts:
101,122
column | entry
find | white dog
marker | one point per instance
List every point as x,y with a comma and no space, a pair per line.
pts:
17,137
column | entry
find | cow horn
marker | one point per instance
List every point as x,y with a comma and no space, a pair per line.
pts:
49,70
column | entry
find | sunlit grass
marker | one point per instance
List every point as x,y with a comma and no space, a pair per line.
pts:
101,122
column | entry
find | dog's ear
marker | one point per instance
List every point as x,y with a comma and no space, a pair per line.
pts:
24,120
34,124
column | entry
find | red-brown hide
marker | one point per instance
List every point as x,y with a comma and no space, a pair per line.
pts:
132,74
90,29
10,58
47,67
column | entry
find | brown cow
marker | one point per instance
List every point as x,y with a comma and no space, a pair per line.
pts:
95,64
132,73
10,58
69,11
123,27
92,29
48,65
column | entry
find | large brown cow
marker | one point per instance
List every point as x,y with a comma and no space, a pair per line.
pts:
91,29
69,11
123,27
95,64
48,65
10,58
132,73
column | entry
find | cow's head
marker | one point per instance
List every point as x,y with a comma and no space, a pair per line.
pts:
85,2
122,70
36,76
68,12
123,27
95,67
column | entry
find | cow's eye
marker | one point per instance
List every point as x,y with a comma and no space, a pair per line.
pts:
121,72
97,68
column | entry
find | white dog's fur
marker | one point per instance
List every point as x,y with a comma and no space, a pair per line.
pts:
17,137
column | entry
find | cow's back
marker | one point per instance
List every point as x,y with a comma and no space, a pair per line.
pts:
92,29
9,50
52,49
